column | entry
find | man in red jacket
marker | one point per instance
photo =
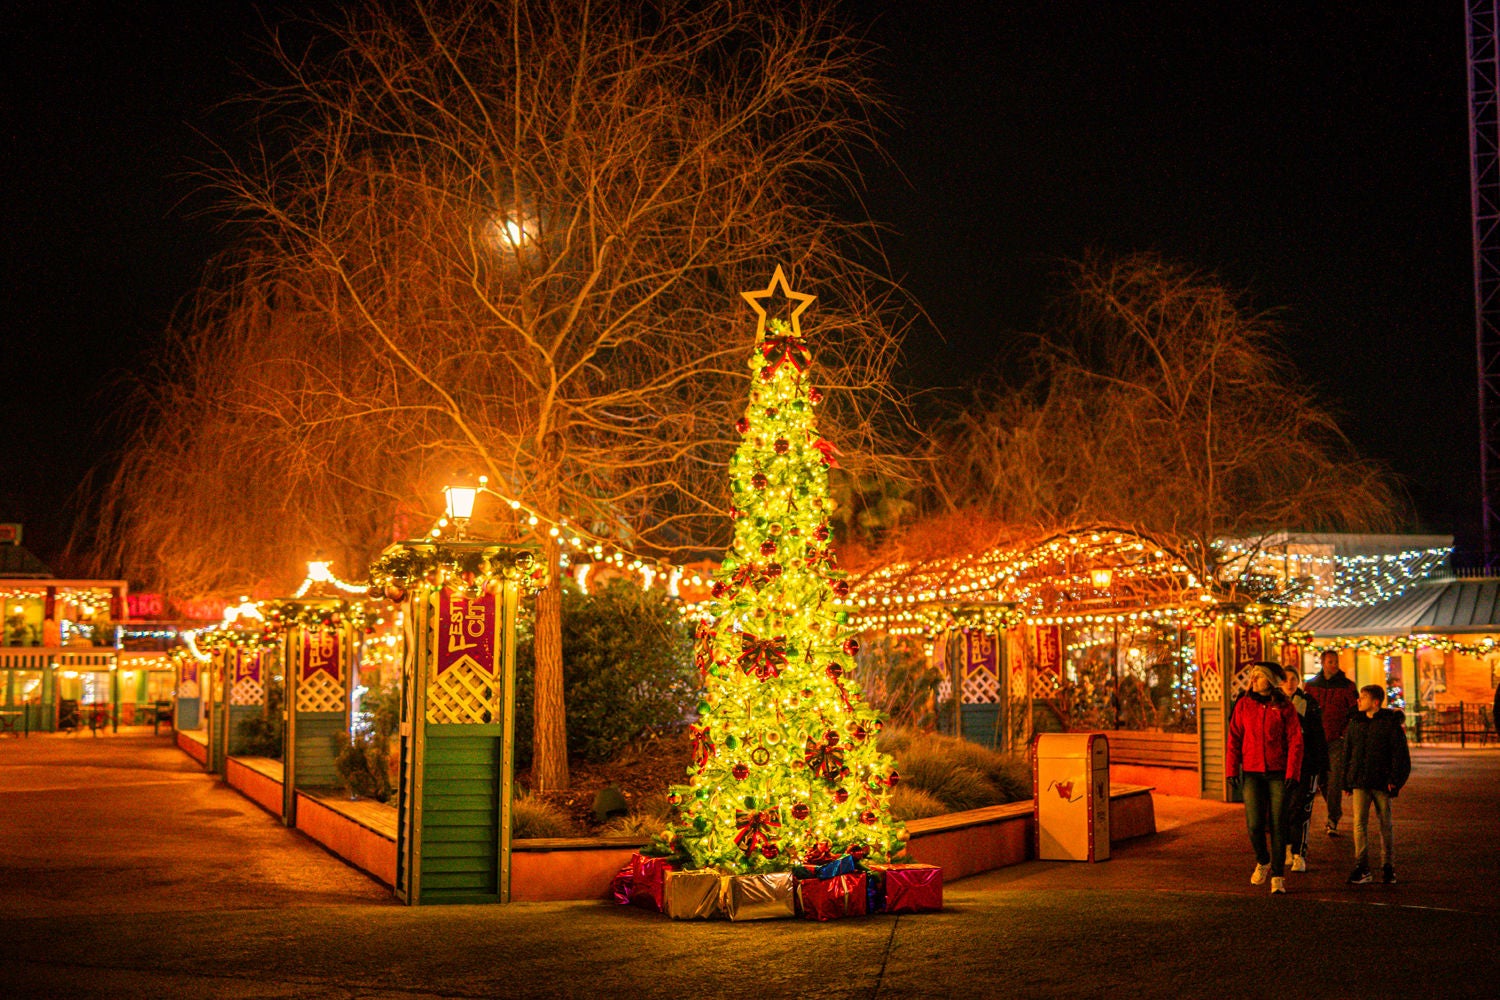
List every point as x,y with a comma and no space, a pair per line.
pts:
1263,753
1336,696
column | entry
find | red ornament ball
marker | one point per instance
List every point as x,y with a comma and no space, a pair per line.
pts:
893,779
782,446
772,412
758,480
868,816
773,570
851,646
841,589
742,425
768,547
718,589
800,811
858,852
831,738
841,796
770,851
821,532
834,671
816,396
740,772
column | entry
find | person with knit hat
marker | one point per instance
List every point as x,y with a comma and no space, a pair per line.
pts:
1263,755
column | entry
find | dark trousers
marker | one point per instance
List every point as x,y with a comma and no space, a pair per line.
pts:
1265,807
1299,809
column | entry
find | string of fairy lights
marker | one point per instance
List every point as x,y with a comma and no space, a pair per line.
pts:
576,542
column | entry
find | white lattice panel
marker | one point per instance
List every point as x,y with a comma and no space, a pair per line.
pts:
945,689
188,689
981,687
1242,680
247,692
320,693
463,694
1045,685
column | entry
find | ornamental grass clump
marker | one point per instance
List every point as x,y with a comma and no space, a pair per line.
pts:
959,774
532,818
909,802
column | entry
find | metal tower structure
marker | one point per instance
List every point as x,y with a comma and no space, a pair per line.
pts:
1484,180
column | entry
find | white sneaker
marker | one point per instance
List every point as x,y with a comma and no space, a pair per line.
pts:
1299,863
1278,884
1258,877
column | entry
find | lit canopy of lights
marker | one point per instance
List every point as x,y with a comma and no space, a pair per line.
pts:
1331,579
1092,576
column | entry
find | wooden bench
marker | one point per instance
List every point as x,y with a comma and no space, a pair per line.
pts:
1153,749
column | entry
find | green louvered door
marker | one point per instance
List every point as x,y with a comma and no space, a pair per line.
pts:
457,716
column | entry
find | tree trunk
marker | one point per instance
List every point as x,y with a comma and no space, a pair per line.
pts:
549,737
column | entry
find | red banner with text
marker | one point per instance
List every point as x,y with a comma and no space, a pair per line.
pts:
320,651
467,630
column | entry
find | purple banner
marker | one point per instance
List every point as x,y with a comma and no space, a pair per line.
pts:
466,632
247,666
320,651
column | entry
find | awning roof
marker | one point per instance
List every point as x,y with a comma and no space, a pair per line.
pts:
1394,617
1435,606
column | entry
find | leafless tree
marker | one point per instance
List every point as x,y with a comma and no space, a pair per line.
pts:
1159,403
508,235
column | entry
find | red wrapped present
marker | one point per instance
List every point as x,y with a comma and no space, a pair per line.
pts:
911,888
831,898
620,886
648,881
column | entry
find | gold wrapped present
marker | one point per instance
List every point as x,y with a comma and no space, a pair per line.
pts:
692,895
760,897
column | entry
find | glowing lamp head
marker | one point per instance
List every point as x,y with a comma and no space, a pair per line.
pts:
318,571
460,501
1102,577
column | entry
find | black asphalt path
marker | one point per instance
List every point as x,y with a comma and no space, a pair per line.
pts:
127,872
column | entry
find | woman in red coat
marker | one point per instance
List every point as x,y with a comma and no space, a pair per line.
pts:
1263,755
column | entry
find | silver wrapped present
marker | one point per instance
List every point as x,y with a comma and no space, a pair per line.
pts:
693,895
760,897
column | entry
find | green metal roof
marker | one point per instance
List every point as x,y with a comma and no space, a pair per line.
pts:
17,562
1432,606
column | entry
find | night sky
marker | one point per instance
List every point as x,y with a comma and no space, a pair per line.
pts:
1313,154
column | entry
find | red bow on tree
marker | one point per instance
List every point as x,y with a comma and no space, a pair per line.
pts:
703,747
779,350
762,657
824,759
756,829
830,453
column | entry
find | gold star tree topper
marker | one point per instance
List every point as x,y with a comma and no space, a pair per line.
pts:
760,300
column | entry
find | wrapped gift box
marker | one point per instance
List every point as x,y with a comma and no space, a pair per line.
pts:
620,885
911,888
829,899
845,865
760,897
648,881
692,895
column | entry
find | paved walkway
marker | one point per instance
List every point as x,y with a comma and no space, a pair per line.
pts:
135,875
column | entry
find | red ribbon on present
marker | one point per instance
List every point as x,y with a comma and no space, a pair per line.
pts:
824,759
762,657
756,829
703,747
780,350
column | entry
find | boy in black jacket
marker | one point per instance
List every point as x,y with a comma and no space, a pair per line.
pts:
1299,804
1376,765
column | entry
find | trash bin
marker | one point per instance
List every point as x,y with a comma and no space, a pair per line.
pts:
1071,798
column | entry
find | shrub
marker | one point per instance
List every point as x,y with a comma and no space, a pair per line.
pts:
535,818
909,802
364,757
627,669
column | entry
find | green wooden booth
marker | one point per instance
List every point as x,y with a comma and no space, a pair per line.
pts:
319,654
458,713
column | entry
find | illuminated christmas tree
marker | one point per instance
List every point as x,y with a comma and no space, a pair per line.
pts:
785,768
